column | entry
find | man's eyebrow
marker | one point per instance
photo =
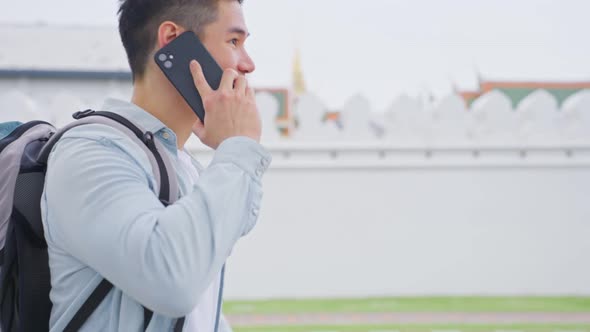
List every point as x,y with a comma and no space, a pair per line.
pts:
238,31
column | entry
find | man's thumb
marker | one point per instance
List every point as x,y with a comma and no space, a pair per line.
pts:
199,129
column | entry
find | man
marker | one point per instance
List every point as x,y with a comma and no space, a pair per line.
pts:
101,214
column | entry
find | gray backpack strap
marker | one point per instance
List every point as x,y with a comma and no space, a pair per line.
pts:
156,153
12,148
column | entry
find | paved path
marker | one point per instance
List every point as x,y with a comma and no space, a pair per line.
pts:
408,318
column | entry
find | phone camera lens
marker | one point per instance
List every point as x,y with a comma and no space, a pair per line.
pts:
162,57
168,64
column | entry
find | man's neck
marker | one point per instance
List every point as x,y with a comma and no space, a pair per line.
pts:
167,108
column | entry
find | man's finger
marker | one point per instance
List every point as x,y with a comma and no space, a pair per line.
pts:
250,93
241,85
199,79
228,79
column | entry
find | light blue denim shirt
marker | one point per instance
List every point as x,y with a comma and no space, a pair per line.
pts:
102,219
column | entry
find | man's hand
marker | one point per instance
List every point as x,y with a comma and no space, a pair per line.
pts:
229,111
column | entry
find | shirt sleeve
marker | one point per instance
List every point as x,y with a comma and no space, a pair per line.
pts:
104,213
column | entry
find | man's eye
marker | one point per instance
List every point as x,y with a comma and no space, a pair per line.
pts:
234,41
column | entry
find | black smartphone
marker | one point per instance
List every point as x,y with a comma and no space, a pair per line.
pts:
174,60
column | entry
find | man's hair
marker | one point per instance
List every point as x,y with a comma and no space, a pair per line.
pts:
139,21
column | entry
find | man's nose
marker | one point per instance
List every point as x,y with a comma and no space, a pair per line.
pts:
246,64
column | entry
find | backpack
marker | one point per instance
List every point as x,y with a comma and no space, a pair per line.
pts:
24,278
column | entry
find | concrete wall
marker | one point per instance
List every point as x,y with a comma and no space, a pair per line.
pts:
375,220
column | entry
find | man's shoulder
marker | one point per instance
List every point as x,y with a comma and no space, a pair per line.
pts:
101,139
95,132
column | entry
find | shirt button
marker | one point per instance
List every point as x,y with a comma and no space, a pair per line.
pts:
255,212
165,135
259,172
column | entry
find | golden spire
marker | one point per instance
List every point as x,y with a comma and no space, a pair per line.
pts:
298,81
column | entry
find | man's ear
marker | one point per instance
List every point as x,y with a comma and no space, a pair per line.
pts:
167,32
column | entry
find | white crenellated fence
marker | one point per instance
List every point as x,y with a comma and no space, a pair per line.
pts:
491,119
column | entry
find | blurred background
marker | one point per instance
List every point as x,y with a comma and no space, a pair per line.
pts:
431,158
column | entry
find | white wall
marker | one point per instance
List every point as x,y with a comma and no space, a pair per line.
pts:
378,221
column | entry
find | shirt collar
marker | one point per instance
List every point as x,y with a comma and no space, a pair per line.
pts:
143,119
135,114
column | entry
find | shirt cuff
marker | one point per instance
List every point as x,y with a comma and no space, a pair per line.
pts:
246,153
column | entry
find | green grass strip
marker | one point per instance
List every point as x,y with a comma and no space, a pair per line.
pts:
423,328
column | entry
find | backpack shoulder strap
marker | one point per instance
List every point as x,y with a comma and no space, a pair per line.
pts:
167,183
93,301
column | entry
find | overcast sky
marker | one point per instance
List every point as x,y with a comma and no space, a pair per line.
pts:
382,48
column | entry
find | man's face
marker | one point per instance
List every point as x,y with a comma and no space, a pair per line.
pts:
225,38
